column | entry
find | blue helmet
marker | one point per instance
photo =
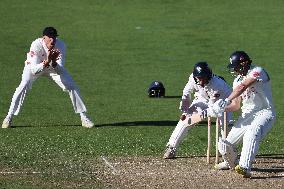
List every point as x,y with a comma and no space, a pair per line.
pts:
239,62
156,89
202,70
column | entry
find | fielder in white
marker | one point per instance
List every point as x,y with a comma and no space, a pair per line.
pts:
46,57
252,87
207,89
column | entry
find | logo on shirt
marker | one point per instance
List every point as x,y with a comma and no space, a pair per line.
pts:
255,74
32,53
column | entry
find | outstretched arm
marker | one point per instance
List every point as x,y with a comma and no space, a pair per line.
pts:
232,103
241,88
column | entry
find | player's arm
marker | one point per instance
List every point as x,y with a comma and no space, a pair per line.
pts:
235,96
59,61
238,90
235,105
186,98
34,60
52,57
232,103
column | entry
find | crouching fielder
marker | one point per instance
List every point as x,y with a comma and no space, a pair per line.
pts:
252,87
207,89
46,57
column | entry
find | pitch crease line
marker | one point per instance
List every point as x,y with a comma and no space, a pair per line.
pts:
114,170
19,172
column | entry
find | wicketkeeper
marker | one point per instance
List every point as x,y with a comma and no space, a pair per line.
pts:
46,57
207,88
251,87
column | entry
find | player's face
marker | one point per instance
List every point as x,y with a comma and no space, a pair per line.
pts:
201,81
242,69
49,42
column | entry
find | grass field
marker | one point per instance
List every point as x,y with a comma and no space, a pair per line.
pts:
115,49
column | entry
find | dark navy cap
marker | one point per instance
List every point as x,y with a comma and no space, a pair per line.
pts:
50,32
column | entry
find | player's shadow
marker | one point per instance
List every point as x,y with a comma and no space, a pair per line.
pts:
277,171
46,125
173,97
145,123
140,123
166,97
271,156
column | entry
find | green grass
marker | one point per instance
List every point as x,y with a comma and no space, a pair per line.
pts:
115,50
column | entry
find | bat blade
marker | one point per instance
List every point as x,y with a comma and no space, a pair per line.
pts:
194,119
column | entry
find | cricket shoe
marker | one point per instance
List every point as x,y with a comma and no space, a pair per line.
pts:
222,166
7,123
86,122
243,171
170,153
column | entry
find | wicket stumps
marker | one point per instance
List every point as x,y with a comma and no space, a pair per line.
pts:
217,137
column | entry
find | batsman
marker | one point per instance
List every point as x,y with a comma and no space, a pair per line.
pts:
207,88
251,87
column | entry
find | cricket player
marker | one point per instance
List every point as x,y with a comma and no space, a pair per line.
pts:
46,57
251,87
207,89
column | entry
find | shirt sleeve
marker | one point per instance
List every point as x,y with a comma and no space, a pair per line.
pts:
259,74
189,88
62,48
33,58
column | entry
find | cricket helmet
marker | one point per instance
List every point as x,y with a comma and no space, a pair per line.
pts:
239,63
202,70
156,89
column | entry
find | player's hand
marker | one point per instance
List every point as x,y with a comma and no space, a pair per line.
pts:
184,105
195,118
45,64
53,64
53,55
220,105
209,112
183,116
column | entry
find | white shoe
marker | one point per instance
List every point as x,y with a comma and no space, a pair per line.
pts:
170,153
222,166
86,122
7,123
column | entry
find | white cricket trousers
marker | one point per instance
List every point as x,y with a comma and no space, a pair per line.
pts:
181,130
251,129
63,80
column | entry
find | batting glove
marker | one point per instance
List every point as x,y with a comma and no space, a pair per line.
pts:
219,106
209,112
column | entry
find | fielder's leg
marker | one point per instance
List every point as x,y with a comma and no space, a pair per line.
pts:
177,136
19,95
181,130
65,81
